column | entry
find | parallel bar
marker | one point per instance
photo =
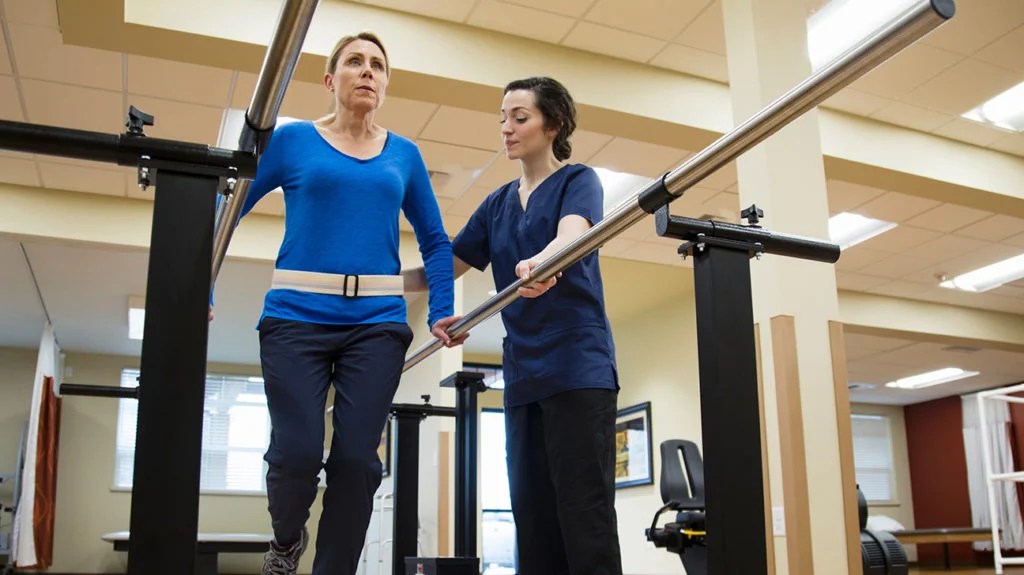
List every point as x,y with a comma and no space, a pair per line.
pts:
278,65
99,391
122,149
168,448
903,31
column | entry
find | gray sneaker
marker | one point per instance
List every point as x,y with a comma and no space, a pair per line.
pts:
285,561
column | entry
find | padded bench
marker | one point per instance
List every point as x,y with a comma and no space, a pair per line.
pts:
208,545
945,535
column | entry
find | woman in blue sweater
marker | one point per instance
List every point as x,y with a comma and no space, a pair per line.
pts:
335,314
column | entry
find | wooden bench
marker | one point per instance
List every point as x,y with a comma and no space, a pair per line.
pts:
208,545
945,535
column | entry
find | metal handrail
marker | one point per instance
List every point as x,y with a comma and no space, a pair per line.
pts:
902,31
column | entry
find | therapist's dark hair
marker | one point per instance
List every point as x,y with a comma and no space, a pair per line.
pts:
556,104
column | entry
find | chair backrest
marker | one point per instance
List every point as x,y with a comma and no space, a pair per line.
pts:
685,489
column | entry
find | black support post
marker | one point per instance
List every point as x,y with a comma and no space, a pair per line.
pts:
165,491
468,384
406,488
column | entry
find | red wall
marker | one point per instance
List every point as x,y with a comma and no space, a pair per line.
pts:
938,474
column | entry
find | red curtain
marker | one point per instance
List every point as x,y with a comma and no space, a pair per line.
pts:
46,475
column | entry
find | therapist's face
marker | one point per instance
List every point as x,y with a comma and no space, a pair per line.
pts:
523,128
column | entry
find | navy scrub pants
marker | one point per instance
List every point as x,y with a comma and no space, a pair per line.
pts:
561,472
300,362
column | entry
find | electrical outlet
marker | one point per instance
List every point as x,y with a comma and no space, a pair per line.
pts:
778,521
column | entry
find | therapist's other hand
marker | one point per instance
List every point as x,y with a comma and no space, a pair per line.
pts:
440,331
523,271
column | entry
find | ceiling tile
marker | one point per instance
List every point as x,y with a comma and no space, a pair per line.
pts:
10,103
855,102
902,289
962,87
108,182
707,32
994,228
724,178
453,223
18,171
663,19
455,10
900,239
5,58
405,117
694,62
464,128
946,247
35,12
976,259
1017,240
573,8
73,106
1011,144
181,121
500,172
1005,51
306,101
241,93
691,205
857,282
913,117
907,70
856,258
947,217
520,20
40,54
450,158
723,206
976,24
971,132
612,42
171,80
845,196
894,207
893,266
469,202
640,158
585,144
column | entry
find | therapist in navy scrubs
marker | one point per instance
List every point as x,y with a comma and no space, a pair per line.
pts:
558,358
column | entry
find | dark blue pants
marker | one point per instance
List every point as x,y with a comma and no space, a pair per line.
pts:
300,362
561,474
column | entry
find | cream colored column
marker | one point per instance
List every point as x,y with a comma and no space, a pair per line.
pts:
794,300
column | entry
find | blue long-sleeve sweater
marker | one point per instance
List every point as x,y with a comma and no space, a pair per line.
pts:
341,217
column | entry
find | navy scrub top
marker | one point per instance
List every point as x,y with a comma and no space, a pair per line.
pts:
561,340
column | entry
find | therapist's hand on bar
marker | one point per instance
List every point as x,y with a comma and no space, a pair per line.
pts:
440,331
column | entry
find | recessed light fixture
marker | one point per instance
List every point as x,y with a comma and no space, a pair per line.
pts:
618,186
841,24
136,316
988,277
1005,111
928,379
848,229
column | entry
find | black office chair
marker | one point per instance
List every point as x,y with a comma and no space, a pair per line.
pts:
682,491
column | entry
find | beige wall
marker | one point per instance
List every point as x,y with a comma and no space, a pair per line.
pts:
17,368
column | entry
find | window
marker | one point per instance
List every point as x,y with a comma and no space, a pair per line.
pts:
236,433
498,531
872,454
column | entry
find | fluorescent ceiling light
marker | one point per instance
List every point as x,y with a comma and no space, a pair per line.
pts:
136,316
944,375
618,186
848,229
1005,111
841,24
988,277
232,124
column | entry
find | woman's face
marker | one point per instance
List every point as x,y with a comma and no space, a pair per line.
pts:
360,77
522,127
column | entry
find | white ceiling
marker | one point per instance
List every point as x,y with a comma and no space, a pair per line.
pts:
925,88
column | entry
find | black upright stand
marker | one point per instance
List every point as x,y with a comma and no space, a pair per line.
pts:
730,410
468,384
168,449
407,477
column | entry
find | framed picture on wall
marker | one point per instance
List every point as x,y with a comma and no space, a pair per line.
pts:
633,458
384,447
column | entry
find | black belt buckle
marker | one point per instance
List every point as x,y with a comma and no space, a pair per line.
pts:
344,286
